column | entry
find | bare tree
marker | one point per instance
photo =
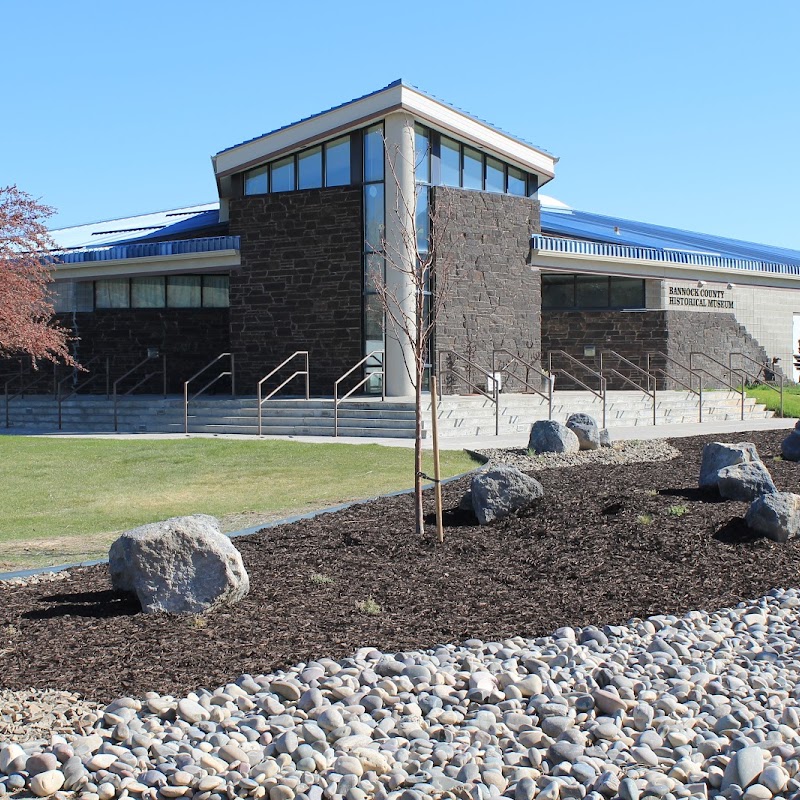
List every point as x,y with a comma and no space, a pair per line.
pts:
412,310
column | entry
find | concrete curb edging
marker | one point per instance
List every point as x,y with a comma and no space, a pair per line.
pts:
29,573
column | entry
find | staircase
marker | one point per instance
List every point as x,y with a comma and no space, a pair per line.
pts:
459,416
475,416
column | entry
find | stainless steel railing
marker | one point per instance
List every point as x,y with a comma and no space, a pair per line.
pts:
762,368
651,381
62,396
225,373
491,383
298,354
729,382
152,373
515,359
599,393
338,400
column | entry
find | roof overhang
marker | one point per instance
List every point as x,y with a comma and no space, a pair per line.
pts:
373,107
722,270
219,260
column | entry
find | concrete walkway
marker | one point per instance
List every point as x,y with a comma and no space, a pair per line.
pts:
468,442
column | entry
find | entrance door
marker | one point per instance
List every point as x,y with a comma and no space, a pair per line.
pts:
796,343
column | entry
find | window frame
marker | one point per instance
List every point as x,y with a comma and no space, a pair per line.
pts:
609,278
165,278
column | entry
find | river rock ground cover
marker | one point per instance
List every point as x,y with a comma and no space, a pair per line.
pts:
607,542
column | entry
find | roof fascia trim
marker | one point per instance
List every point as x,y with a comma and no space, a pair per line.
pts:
148,265
373,107
660,270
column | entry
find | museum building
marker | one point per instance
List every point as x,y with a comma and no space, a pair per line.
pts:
313,217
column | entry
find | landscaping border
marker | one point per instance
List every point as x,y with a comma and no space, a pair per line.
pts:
30,573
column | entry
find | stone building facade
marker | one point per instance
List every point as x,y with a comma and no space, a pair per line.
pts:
493,299
300,285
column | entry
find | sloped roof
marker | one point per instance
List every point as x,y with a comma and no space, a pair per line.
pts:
173,222
561,220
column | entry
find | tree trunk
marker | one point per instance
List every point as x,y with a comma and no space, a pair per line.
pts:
420,526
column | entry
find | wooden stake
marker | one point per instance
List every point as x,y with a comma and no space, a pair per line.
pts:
437,472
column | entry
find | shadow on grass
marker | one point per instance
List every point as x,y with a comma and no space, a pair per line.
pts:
98,605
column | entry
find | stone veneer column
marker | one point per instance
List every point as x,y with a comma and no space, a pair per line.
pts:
400,194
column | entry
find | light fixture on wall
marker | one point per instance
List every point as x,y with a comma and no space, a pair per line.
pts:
701,284
731,285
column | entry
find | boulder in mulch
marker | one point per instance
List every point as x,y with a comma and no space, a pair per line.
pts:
501,491
776,516
745,481
584,426
549,436
790,447
717,455
183,565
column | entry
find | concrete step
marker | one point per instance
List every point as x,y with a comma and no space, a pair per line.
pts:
458,416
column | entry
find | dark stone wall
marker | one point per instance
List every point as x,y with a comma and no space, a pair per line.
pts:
634,334
189,337
714,334
494,297
300,284
631,334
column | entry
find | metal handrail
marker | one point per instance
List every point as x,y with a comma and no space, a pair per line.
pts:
762,369
601,394
197,374
133,388
670,360
528,366
650,378
337,400
295,374
494,396
23,389
731,386
62,398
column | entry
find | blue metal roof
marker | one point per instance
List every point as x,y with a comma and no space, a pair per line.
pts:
398,82
209,244
584,247
614,230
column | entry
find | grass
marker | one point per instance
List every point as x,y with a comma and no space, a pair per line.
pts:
772,400
677,511
369,607
66,499
644,519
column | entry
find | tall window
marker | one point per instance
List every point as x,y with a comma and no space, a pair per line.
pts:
374,255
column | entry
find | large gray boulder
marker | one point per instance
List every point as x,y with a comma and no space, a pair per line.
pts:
745,481
549,436
182,565
584,426
500,491
790,447
717,455
776,516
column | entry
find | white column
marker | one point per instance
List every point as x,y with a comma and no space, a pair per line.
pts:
400,197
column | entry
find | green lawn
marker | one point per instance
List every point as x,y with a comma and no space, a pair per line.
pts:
771,399
66,499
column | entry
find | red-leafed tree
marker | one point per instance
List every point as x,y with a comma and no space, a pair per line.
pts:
26,313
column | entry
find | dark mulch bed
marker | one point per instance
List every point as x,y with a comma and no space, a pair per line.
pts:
582,556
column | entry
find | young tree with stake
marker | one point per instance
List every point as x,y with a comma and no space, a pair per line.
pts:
415,288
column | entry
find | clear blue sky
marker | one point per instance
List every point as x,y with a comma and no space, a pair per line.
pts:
684,113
